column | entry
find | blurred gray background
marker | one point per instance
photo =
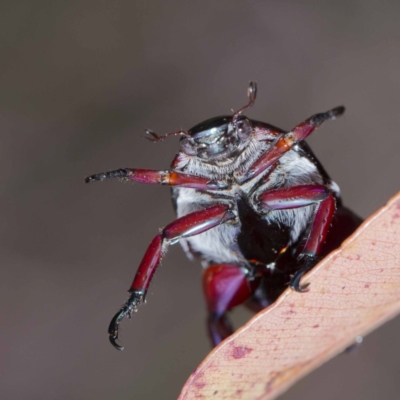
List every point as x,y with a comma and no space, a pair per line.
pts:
79,82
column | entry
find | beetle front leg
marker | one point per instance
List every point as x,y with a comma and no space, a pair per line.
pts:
151,176
189,225
301,196
286,141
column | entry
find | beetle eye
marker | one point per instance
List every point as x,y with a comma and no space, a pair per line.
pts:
187,146
243,128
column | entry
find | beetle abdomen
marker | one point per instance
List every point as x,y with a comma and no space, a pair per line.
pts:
259,239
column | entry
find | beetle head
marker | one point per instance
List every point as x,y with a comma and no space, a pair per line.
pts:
220,137
217,138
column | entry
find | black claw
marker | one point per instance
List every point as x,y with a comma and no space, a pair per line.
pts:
336,112
309,262
134,300
114,325
119,173
115,344
318,119
93,178
295,282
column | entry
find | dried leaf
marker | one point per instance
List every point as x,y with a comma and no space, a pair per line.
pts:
353,291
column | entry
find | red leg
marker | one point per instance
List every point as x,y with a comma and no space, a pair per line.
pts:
170,178
189,225
300,196
286,141
225,286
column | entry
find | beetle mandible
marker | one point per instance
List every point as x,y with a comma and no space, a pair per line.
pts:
254,205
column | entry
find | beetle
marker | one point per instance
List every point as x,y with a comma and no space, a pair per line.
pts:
254,205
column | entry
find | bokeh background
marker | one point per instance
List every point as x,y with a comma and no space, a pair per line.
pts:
79,82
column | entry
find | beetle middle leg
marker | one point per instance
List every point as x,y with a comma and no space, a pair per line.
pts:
225,286
301,196
188,225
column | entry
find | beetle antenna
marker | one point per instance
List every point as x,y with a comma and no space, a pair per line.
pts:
251,94
153,137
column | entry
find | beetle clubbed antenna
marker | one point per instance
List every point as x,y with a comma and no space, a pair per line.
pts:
153,137
251,94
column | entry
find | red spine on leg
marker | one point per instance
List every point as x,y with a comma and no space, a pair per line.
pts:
225,286
148,266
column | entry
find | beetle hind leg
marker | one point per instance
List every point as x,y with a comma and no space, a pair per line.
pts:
219,327
301,196
225,287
